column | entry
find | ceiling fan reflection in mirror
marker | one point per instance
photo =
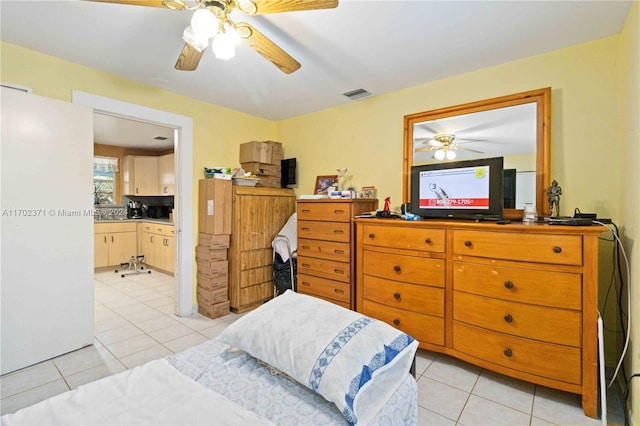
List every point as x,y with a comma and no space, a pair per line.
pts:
211,22
444,147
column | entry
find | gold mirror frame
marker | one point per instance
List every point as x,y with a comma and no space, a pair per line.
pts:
542,98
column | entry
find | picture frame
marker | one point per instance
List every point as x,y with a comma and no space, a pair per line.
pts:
369,192
323,183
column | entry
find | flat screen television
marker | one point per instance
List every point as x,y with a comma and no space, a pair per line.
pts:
470,189
287,172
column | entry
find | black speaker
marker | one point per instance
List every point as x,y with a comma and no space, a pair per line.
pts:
405,208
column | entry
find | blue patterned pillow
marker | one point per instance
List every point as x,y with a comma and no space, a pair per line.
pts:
354,361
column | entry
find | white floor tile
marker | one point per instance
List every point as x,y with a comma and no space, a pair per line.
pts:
424,359
113,322
505,390
185,342
442,399
560,407
118,334
480,412
170,333
28,378
13,403
95,373
147,355
429,418
131,346
214,331
156,323
82,359
454,372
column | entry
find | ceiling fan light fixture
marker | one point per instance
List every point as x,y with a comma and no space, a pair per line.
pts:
223,46
439,155
204,23
195,40
247,7
451,155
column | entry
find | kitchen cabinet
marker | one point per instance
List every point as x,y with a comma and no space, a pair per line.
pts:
113,243
158,246
149,175
167,174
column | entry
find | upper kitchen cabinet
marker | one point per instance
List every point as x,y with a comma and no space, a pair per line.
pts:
149,175
167,174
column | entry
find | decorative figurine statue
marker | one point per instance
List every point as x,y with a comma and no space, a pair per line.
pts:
387,205
553,193
344,179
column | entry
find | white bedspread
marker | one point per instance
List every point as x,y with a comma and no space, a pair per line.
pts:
152,394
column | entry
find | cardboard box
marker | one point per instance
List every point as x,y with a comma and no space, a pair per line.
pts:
205,253
214,269
276,149
259,152
214,206
214,311
211,297
213,241
270,182
261,169
213,283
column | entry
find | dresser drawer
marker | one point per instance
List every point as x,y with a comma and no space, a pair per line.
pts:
328,212
330,250
546,288
541,359
324,288
329,231
167,230
105,228
253,276
424,328
545,248
256,294
346,305
329,269
416,298
552,325
409,269
432,240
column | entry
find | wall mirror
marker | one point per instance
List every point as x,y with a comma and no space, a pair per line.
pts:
516,127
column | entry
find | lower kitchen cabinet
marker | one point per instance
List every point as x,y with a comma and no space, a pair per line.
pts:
113,243
158,246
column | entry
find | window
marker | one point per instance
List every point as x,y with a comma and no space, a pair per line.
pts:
104,181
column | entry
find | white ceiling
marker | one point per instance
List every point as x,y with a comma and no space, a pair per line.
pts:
380,46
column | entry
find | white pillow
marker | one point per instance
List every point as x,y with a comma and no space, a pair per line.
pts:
354,361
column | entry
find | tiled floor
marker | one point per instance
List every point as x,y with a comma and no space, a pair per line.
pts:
134,323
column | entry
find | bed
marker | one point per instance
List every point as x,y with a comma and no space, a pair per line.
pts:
295,360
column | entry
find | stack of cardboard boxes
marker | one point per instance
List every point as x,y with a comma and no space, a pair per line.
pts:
214,229
263,160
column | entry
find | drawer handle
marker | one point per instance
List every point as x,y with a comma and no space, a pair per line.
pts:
306,265
338,251
508,353
508,284
467,243
338,231
427,240
337,290
306,211
306,283
338,211
396,296
508,318
372,236
306,247
339,271
396,268
304,229
557,249
396,322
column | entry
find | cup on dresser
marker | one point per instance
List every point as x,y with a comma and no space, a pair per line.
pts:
530,214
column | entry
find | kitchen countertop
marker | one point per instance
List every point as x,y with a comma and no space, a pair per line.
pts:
124,220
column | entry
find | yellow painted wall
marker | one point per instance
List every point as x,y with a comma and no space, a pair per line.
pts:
217,131
629,200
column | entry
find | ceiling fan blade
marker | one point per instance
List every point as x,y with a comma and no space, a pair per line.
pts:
262,7
426,148
268,49
151,3
189,58
468,149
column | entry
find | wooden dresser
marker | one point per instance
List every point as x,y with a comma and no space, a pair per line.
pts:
258,214
325,254
517,299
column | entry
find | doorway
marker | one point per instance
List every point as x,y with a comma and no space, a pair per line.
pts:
183,149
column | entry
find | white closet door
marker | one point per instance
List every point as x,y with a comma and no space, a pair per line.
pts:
46,228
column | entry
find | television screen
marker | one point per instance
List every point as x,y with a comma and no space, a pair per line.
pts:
471,189
288,172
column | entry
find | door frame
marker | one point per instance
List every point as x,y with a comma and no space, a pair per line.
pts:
183,149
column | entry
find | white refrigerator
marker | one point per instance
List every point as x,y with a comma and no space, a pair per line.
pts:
46,229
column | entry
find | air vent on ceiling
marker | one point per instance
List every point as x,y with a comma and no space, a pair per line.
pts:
357,94
161,138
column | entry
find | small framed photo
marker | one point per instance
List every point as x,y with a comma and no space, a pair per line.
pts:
323,183
369,192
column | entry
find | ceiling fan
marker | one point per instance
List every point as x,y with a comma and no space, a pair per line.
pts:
444,147
211,21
